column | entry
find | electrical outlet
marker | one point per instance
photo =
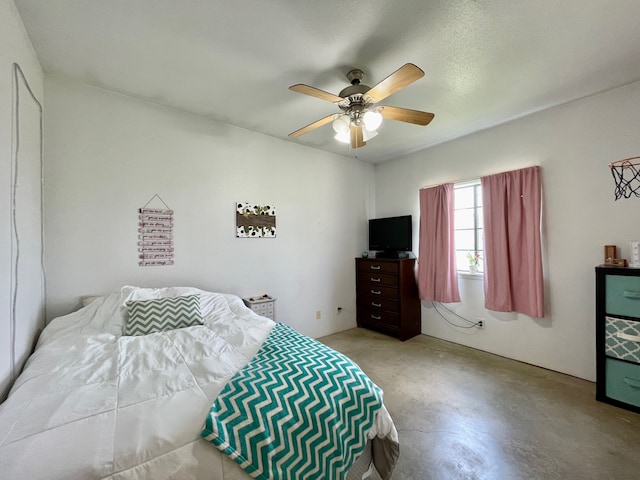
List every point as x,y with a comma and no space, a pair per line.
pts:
318,315
480,323
338,310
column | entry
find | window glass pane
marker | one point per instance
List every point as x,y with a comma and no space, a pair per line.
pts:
478,195
464,239
468,224
464,218
463,197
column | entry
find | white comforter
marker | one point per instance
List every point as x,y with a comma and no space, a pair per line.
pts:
92,403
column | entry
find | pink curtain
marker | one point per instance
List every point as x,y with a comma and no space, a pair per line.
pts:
437,276
513,260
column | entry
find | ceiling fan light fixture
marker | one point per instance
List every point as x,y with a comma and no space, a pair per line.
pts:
344,137
341,124
372,120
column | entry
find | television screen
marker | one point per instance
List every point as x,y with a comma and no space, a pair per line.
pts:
391,234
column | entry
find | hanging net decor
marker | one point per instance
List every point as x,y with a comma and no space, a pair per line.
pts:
626,175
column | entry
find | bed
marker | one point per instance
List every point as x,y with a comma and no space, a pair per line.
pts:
125,389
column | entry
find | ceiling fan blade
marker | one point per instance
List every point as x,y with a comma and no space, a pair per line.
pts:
313,126
315,92
399,79
406,115
357,140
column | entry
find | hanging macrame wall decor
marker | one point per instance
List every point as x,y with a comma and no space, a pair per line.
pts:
155,235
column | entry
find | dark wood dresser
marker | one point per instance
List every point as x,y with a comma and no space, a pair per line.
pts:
387,296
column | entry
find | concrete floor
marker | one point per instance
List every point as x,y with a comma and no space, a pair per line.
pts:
466,414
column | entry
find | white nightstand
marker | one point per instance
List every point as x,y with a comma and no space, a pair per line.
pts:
263,305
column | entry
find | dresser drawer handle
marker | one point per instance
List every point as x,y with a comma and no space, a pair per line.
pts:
376,292
375,267
378,317
629,294
375,279
374,304
626,336
633,383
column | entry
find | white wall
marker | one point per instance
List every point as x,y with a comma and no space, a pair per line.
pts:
21,283
107,155
573,144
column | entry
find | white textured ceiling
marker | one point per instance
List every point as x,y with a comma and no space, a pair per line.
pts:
486,61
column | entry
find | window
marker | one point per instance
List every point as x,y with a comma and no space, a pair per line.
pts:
468,225
452,225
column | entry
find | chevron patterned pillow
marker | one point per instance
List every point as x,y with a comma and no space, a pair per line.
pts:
158,315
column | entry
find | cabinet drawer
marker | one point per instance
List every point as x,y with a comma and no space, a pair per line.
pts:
266,308
622,339
379,303
372,266
377,291
381,317
623,381
378,279
622,295
263,308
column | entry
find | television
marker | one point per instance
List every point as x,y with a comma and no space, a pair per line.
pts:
390,236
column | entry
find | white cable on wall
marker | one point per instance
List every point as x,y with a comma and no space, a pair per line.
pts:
15,239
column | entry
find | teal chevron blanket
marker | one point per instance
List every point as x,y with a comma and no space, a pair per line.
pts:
298,410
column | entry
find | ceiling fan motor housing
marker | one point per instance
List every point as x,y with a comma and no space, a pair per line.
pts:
355,102
355,110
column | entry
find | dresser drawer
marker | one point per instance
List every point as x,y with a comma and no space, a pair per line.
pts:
376,291
622,339
378,303
622,295
623,381
378,279
381,317
373,266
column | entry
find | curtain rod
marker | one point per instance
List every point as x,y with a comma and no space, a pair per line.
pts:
475,179
469,180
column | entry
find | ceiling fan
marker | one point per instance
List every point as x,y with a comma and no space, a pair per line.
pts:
361,116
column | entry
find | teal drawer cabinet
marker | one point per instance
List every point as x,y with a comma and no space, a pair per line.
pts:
623,381
622,295
618,337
